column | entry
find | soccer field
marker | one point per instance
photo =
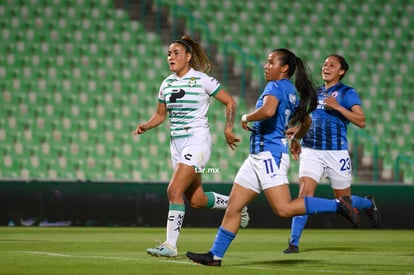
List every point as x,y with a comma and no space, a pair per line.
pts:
120,250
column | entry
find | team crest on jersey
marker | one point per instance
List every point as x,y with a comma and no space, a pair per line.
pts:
192,82
292,99
335,94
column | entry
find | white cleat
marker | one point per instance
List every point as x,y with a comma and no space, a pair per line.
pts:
163,250
245,218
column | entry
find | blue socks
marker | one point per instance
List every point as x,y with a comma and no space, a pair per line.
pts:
318,205
312,206
222,242
360,203
298,224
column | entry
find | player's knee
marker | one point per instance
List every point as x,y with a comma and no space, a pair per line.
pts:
174,194
283,213
196,204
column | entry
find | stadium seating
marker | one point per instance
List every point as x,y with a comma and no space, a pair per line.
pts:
371,35
77,76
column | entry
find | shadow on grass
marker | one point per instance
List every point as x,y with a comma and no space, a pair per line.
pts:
290,262
337,249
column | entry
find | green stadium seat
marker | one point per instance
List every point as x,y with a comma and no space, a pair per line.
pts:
72,62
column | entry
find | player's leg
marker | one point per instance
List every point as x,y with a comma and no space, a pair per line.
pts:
279,199
311,169
245,189
307,187
239,198
363,203
200,199
183,176
339,172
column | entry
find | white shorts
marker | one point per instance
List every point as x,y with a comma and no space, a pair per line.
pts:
260,172
194,150
334,164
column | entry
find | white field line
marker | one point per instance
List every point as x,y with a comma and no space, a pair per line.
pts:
173,261
101,257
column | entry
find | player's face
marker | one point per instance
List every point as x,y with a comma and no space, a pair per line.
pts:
331,70
273,69
178,59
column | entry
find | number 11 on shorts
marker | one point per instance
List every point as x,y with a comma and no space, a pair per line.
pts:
269,165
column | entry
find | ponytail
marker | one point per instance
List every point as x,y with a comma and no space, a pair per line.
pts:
199,59
304,86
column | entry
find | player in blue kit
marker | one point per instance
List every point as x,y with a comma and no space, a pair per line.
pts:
184,98
265,169
325,146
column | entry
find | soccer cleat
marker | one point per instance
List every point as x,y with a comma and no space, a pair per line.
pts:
203,258
28,222
346,210
245,218
163,250
373,213
291,249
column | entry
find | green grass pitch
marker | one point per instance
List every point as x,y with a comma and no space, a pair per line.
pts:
121,250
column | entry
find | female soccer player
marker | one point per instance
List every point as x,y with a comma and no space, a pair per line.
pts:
325,146
184,96
267,164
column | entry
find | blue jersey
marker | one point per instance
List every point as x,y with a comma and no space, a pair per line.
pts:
329,128
269,134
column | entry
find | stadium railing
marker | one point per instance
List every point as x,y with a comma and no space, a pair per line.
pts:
245,59
401,158
358,134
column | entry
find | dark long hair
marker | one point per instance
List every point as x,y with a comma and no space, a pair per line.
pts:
303,83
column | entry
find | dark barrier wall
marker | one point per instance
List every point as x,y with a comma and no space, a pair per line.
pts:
146,204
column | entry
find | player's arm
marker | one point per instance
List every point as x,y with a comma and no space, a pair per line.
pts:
231,107
355,115
155,120
266,111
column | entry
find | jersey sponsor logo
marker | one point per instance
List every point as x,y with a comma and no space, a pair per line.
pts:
176,94
188,156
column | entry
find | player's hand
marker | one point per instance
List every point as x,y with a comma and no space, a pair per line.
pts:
139,130
245,126
291,132
231,139
295,149
331,103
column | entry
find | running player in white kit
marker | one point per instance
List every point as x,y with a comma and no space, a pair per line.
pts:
184,98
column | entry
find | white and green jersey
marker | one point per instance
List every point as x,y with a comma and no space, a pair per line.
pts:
187,100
